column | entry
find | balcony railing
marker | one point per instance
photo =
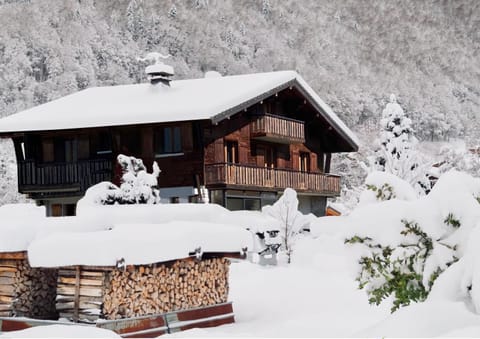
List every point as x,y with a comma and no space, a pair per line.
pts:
50,177
278,129
264,177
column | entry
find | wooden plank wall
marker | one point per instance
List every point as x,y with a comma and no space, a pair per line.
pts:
80,293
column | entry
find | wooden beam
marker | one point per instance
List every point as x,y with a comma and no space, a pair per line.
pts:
13,255
76,301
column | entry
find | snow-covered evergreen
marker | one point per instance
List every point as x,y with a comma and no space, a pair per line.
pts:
137,185
397,154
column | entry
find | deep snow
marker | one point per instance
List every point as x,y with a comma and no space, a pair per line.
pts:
317,295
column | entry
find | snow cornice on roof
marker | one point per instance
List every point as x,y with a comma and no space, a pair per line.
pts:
213,99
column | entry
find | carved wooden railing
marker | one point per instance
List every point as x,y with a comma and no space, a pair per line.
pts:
275,126
82,174
264,177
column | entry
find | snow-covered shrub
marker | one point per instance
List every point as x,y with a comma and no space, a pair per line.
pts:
381,186
291,220
460,159
405,247
137,186
401,271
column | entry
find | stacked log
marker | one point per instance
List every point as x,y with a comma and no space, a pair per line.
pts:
26,291
7,290
184,284
87,294
80,293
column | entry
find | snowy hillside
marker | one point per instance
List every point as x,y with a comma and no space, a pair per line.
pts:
354,54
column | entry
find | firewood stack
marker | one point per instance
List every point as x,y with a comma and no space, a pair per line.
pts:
142,290
26,291
163,288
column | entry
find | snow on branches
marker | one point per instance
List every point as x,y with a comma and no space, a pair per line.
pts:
137,185
397,154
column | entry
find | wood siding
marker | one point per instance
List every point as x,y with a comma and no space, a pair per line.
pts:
278,129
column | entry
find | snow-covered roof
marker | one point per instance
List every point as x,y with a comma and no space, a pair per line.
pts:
137,244
20,224
211,98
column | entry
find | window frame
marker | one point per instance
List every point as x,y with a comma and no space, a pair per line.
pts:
167,141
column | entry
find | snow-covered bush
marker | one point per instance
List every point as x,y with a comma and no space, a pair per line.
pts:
137,186
401,271
405,247
381,186
291,220
460,159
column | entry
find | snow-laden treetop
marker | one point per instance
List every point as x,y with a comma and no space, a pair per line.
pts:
212,98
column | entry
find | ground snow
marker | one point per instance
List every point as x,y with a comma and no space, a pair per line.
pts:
61,331
317,295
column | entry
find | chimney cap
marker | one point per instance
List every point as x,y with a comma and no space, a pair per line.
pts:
158,72
160,69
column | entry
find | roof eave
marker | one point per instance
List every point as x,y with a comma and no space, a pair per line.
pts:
235,109
291,83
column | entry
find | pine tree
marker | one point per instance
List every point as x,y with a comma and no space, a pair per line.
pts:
396,154
266,8
135,19
397,133
172,13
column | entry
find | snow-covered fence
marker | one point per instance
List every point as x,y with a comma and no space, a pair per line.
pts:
26,291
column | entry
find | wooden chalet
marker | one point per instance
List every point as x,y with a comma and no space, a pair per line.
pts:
240,139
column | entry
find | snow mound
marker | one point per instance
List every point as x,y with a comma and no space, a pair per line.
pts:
400,189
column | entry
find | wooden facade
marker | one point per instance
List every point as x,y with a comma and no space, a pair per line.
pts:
266,146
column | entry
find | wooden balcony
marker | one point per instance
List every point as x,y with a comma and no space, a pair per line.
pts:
248,177
278,129
57,178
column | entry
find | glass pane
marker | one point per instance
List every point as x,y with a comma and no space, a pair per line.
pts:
234,204
252,204
177,140
167,140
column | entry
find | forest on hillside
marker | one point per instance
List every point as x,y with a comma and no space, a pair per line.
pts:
354,53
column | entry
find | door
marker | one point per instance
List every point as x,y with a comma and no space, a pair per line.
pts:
266,157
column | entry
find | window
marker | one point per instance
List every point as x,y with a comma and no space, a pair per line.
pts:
231,152
83,147
304,162
168,140
266,156
130,142
47,150
102,143
62,210
237,204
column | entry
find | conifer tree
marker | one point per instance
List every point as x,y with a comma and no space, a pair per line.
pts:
396,154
